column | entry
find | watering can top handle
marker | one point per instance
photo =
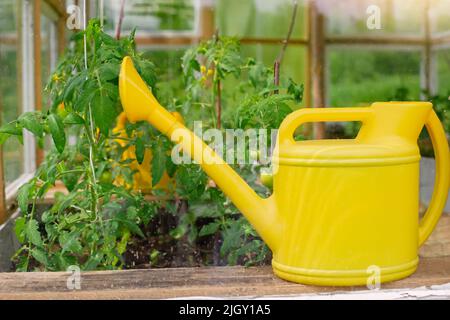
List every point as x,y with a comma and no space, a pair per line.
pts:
297,118
442,177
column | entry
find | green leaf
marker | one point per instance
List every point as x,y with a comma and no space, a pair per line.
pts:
40,255
208,229
73,118
103,112
158,163
70,180
93,262
75,82
56,127
171,167
231,238
24,196
3,138
129,224
178,232
109,71
19,228
12,128
140,150
69,242
295,90
32,233
82,102
32,122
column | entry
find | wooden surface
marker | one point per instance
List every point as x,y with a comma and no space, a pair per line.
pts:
190,282
438,244
318,65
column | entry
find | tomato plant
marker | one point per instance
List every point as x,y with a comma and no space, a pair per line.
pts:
98,223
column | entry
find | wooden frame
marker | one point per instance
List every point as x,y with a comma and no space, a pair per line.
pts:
219,282
318,64
37,66
59,8
31,79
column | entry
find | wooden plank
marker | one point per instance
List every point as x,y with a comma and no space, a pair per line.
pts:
61,34
378,40
438,244
441,39
3,212
58,5
426,56
37,66
188,40
273,41
207,20
317,39
189,282
3,209
166,40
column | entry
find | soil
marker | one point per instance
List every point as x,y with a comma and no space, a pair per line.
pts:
172,253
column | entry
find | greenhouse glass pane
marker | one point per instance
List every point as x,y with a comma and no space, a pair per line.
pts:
150,16
440,16
260,18
443,66
10,82
360,77
168,68
48,54
294,64
359,17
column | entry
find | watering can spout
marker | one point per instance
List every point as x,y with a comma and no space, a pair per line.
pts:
139,104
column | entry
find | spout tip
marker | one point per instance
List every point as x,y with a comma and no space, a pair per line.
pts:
127,64
137,100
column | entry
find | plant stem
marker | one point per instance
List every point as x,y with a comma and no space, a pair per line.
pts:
119,23
279,59
219,104
218,95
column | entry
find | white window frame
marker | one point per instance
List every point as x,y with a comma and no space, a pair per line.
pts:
195,32
28,86
28,103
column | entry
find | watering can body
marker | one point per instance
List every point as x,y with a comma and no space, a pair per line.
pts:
352,205
343,212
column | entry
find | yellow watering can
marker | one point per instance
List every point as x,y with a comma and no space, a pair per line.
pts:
343,212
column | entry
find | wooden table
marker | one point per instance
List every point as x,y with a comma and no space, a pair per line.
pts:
232,282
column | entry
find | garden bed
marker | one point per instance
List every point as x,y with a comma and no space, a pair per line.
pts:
254,282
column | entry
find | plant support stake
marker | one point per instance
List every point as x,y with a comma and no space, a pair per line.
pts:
279,59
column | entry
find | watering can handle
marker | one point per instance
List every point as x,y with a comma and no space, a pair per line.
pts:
297,118
442,177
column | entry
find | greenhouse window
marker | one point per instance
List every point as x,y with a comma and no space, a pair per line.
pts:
155,18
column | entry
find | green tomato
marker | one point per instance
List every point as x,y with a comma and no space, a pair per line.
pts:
106,178
266,179
61,111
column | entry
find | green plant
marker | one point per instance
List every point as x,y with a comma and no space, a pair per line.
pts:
97,222
251,104
91,224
